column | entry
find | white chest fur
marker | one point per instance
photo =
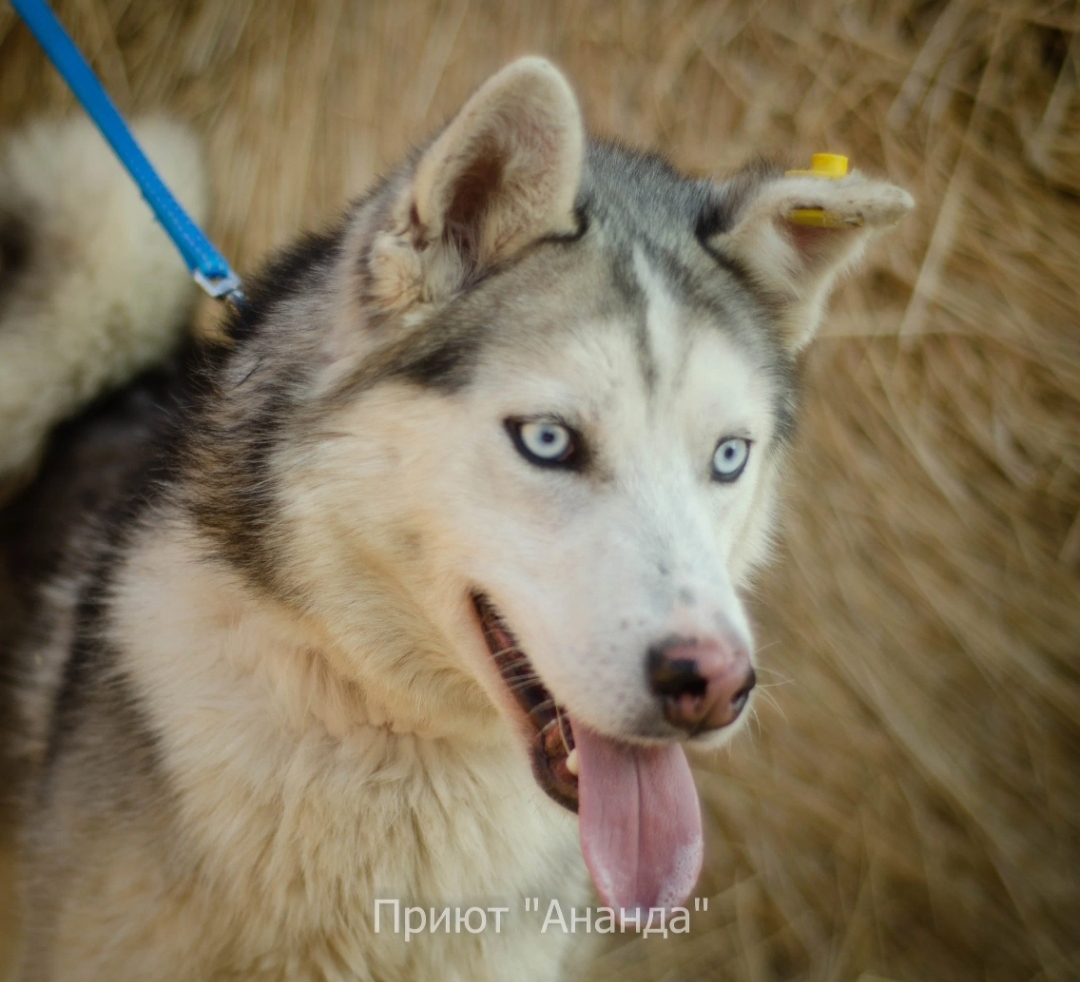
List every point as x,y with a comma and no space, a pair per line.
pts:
299,812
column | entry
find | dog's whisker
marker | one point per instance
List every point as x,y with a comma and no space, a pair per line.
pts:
520,684
505,652
562,730
543,706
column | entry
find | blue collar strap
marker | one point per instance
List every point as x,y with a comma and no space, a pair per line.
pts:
208,266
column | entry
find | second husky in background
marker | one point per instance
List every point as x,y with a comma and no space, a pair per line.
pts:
442,548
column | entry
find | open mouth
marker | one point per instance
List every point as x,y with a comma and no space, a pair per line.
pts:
551,737
639,822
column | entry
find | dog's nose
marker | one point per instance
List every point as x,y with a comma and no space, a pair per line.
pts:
702,685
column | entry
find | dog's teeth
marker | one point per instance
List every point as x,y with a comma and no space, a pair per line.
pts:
571,762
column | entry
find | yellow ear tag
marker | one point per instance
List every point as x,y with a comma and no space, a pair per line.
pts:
831,166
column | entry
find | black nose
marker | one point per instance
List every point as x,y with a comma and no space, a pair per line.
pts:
702,684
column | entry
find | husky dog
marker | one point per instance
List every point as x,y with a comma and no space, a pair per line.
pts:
443,547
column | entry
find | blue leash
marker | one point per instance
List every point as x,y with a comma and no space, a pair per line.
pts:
209,267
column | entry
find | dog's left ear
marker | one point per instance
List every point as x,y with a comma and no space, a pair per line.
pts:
794,235
504,173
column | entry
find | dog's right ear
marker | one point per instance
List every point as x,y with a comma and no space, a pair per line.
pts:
504,173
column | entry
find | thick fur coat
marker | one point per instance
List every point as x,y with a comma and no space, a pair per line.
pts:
259,690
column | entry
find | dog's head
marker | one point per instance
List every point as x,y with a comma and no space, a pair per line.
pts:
555,390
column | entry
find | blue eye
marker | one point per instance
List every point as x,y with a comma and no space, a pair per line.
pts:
543,442
730,458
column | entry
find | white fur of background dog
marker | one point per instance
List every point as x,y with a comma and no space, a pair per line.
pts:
102,291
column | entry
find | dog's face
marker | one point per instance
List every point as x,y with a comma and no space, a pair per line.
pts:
560,388
603,485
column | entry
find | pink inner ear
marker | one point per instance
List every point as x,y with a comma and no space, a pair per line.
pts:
818,246
475,190
808,238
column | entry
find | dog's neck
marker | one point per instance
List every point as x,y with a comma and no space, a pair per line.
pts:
325,777
194,619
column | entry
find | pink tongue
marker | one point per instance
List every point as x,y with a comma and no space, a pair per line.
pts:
640,824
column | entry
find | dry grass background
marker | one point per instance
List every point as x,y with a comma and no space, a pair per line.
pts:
908,805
